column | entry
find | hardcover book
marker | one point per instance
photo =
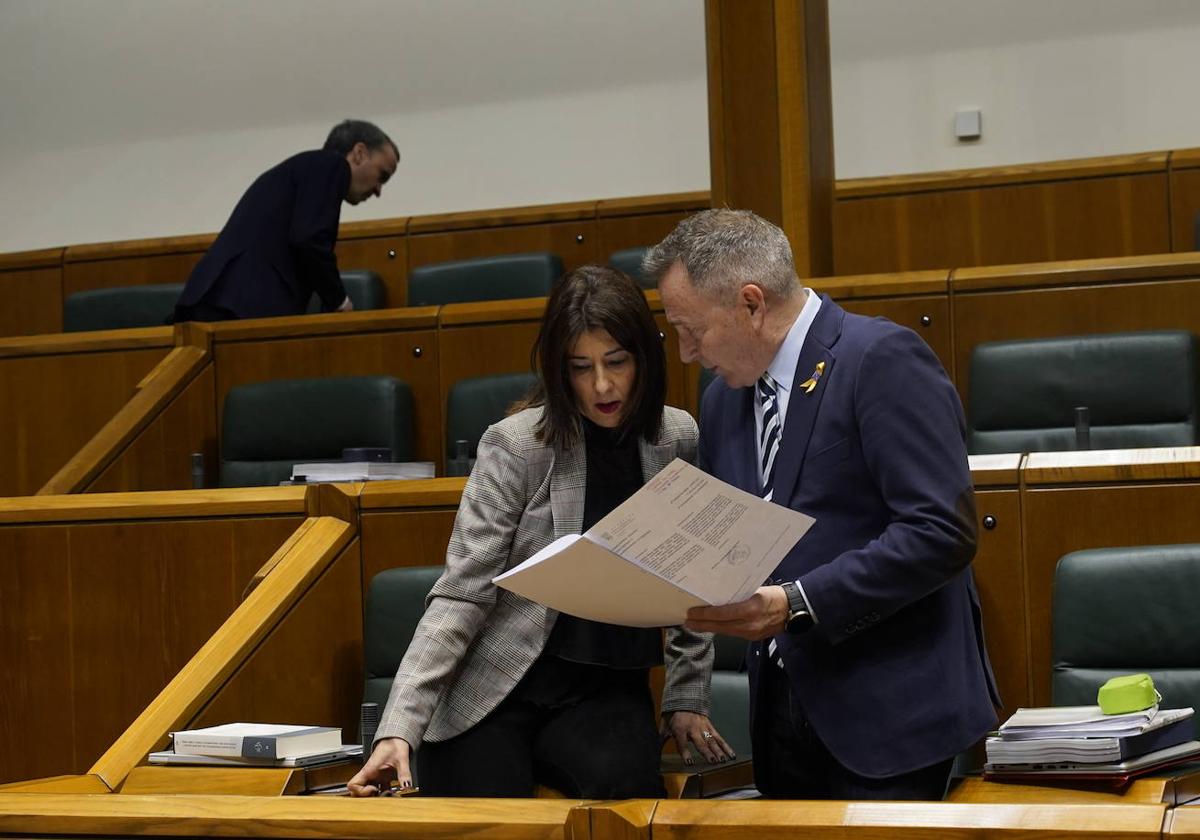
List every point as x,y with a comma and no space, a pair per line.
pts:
257,740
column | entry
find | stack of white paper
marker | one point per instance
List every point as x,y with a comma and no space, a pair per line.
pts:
683,540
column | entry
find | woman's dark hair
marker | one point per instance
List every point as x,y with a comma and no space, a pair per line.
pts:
595,297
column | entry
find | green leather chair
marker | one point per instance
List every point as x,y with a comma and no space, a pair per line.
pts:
364,288
120,308
1139,388
476,403
266,427
395,603
731,693
630,261
487,278
1127,610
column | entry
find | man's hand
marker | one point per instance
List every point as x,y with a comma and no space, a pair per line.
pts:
347,305
761,615
389,760
697,730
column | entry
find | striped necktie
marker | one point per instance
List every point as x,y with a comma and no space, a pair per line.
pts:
772,426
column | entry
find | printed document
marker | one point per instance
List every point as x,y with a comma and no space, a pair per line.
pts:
683,540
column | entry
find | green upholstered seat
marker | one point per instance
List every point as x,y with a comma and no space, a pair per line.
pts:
731,693
486,278
395,603
476,403
120,308
364,288
629,260
1139,388
268,426
1124,611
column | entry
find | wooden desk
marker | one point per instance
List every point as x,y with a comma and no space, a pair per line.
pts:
1177,788
316,817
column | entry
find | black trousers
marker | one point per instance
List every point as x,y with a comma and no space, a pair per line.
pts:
585,730
797,765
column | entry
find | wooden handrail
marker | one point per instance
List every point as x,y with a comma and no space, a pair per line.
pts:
294,816
300,562
153,394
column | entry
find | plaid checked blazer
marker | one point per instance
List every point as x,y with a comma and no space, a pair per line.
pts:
476,641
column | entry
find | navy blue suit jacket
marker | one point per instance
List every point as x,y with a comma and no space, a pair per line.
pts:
894,676
277,247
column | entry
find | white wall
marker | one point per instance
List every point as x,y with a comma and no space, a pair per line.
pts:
126,119
139,118
1055,79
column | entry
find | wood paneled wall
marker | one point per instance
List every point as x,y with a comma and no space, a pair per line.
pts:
57,391
1063,210
432,348
1100,207
105,598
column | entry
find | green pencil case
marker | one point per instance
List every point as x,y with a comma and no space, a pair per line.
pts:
1127,693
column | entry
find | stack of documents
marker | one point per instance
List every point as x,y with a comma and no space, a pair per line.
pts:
1083,740
333,471
683,540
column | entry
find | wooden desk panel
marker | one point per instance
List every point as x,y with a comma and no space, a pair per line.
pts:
1000,578
1061,519
913,313
408,354
1069,310
1185,204
310,668
129,271
404,538
160,456
385,255
99,616
616,233
316,817
33,301
55,403
703,819
1052,220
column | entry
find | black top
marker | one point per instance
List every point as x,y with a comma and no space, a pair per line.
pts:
614,473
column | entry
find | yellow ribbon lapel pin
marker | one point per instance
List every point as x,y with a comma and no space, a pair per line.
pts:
811,382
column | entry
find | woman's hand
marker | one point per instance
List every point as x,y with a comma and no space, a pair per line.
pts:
697,730
389,760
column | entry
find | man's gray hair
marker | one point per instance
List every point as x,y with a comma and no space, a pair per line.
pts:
722,250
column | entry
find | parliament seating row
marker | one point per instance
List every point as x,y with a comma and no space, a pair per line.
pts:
1114,206
86,576
62,390
501,277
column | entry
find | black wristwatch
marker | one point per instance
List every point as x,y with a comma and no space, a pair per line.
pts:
799,618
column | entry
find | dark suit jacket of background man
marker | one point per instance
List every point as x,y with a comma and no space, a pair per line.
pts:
277,247
894,676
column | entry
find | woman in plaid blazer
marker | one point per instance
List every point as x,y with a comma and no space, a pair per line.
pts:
492,680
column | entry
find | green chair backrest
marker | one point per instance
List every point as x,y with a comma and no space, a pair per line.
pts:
630,261
487,278
395,604
120,308
731,693
364,288
1125,611
1139,388
267,427
474,404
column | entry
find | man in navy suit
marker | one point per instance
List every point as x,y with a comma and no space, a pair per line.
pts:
277,247
868,672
